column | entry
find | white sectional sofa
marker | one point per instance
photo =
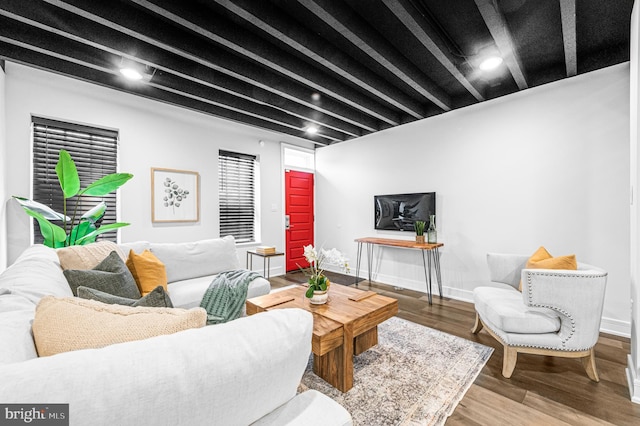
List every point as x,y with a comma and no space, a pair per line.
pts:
242,372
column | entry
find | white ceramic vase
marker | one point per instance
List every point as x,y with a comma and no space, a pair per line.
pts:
319,297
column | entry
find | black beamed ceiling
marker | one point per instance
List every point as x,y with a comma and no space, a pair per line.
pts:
349,67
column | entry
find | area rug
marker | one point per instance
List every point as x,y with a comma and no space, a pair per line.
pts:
414,376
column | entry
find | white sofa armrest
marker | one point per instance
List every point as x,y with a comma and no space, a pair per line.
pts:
577,297
227,374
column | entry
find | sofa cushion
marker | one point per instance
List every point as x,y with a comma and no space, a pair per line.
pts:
147,270
505,309
197,259
16,313
70,323
111,276
87,257
189,293
155,298
36,273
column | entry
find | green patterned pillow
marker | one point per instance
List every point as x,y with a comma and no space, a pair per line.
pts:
111,276
157,298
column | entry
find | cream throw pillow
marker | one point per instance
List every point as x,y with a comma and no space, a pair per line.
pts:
87,257
69,323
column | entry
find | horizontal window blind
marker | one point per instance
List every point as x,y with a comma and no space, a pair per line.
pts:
237,195
95,152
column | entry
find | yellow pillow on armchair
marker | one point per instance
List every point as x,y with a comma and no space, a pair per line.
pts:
542,259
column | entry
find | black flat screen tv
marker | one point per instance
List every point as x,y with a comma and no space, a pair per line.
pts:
398,212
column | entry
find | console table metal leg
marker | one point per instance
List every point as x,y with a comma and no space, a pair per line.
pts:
436,261
358,257
427,274
370,259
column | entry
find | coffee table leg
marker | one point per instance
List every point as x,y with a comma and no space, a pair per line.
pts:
336,366
366,340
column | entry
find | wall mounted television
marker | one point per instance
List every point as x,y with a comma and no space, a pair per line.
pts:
398,212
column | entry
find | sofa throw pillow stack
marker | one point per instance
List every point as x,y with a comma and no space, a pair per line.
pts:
110,281
111,276
69,323
542,259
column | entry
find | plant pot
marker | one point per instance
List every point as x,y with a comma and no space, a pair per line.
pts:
319,297
420,239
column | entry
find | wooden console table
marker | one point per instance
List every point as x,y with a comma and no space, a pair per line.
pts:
432,257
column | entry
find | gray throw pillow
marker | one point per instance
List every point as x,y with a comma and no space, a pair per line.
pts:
156,298
111,276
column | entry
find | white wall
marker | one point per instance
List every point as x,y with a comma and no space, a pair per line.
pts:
152,134
633,361
3,180
546,166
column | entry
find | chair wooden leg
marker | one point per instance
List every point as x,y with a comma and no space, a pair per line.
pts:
509,361
589,363
477,326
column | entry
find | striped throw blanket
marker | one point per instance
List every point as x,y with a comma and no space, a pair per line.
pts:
226,295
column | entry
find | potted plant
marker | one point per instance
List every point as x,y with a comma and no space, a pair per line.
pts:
88,226
318,283
419,226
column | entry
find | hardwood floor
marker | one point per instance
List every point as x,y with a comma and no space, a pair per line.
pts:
541,391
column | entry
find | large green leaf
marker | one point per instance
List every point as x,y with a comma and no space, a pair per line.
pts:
101,230
67,174
52,234
45,211
95,213
106,184
79,231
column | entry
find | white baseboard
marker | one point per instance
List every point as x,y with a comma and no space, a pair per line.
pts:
633,380
608,325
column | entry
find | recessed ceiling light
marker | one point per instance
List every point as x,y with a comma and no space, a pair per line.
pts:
490,63
312,130
131,73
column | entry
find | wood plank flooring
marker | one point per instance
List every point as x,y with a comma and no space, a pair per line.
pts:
541,391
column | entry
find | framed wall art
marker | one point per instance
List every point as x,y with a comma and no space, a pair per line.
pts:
174,195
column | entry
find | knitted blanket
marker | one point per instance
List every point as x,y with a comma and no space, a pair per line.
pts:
225,298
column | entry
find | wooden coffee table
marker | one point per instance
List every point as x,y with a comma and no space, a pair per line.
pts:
345,326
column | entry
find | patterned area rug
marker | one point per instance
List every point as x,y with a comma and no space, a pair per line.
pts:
414,376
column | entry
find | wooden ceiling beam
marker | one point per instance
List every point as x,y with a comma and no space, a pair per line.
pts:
317,49
197,50
568,15
254,48
85,59
361,35
110,41
431,41
499,30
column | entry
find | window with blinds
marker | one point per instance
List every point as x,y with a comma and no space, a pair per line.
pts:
95,152
237,195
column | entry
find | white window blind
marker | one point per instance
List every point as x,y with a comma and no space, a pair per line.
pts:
237,195
95,152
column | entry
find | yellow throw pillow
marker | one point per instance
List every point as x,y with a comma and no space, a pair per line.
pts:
542,259
87,257
148,271
63,324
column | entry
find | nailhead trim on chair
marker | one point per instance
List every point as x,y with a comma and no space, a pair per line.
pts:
563,312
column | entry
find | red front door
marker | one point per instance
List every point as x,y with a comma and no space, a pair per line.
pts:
299,210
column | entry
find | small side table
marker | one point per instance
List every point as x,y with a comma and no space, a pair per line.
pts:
266,261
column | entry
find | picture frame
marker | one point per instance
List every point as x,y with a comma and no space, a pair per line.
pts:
175,195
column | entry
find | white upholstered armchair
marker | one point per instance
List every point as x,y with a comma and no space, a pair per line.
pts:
558,312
